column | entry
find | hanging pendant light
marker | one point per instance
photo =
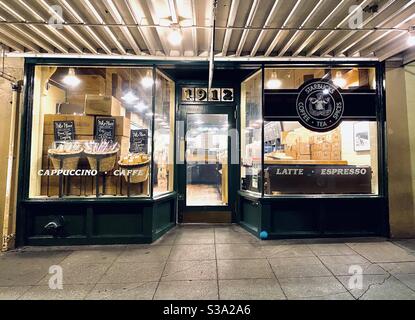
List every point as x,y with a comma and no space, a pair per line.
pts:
130,97
147,81
274,82
71,79
339,80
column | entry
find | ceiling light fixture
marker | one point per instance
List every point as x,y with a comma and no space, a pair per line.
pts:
147,81
274,82
71,79
130,97
175,36
411,36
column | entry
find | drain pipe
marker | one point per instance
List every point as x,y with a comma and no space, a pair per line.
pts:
8,231
212,45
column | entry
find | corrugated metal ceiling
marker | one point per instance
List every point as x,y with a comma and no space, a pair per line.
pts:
244,28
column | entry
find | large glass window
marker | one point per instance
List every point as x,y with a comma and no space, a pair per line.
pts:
92,132
163,135
341,161
301,161
251,133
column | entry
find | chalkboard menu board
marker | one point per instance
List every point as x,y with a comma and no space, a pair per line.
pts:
105,129
139,141
64,130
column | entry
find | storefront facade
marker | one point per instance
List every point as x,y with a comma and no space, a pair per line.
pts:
121,151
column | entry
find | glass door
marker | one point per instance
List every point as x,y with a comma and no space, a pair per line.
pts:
205,175
207,160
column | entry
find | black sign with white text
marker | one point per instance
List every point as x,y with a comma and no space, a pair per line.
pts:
64,130
139,141
105,129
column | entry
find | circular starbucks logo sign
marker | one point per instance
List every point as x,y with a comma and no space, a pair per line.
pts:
320,106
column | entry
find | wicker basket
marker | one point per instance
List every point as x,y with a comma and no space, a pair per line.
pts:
69,161
106,160
140,174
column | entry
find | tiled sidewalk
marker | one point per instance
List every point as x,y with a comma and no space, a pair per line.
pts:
223,262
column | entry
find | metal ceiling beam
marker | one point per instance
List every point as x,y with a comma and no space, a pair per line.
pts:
294,37
212,43
19,35
90,7
310,37
78,36
320,43
154,17
133,9
248,23
115,13
194,30
18,38
266,25
51,28
20,31
398,19
175,19
397,45
37,30
365,23
91,32
384,43
10,42
277,36
231,20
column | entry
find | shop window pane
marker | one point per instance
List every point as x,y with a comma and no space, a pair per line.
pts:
251,133
300,161
345,78
91,132
164,136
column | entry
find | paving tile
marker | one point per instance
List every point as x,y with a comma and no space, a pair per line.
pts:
250,289
244,269
407,279
407,244
344,259
12,293
239,251
118,291
126,272
187,290
191,238
192,252
391,289
382,252
276,251
79,273
331,249
22,258
190,270
94,256
22,275
399,267
166,240
299,271
293,261
347,269
358,289
69,292
321,287
145,254
336,296
224,236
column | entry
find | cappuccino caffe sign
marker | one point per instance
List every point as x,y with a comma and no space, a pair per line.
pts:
320,105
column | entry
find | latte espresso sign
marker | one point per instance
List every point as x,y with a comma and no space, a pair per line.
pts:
320,105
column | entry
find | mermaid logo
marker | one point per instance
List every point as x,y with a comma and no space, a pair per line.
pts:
320,105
